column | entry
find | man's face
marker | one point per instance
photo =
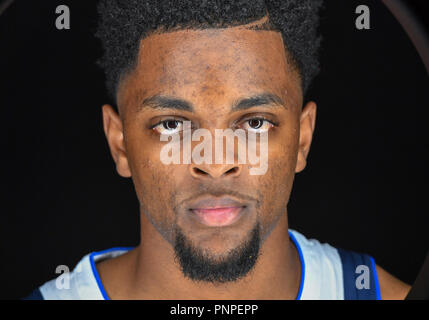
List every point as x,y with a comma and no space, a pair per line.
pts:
211,70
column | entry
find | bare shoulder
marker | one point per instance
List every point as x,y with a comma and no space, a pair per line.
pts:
391,288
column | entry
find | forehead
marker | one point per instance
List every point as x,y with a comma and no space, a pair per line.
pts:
211,64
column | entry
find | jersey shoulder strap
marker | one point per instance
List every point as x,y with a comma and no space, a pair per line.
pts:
359,276
34,295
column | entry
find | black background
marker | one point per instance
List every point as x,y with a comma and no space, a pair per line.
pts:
364,188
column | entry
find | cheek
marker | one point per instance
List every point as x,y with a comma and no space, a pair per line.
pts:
277,182
156,189
153,180
276,185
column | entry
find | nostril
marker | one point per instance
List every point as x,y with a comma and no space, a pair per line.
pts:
214,172
232,170
199,171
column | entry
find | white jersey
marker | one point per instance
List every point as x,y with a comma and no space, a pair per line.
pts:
327,273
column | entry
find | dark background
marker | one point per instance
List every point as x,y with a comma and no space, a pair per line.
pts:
364,188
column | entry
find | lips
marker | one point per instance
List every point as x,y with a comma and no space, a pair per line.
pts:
217,212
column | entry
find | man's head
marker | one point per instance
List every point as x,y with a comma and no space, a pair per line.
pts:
219,64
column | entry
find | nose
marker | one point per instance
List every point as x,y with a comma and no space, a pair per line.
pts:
215,170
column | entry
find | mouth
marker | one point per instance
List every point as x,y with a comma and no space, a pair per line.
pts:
217,212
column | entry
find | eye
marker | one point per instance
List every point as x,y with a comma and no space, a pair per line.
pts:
169,126
258,125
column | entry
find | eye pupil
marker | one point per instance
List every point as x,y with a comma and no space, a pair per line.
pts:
255,123
170,124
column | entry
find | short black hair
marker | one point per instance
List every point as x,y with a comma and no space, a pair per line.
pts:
123,23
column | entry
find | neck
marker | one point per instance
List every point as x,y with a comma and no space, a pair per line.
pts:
151,272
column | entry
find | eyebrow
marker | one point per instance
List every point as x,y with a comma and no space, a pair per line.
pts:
165,102
161,102
263,99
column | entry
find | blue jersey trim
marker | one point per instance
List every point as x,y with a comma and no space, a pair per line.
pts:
106,297
377,285
94,269
301,259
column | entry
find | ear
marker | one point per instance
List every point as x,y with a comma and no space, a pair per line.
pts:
307,125
113,130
